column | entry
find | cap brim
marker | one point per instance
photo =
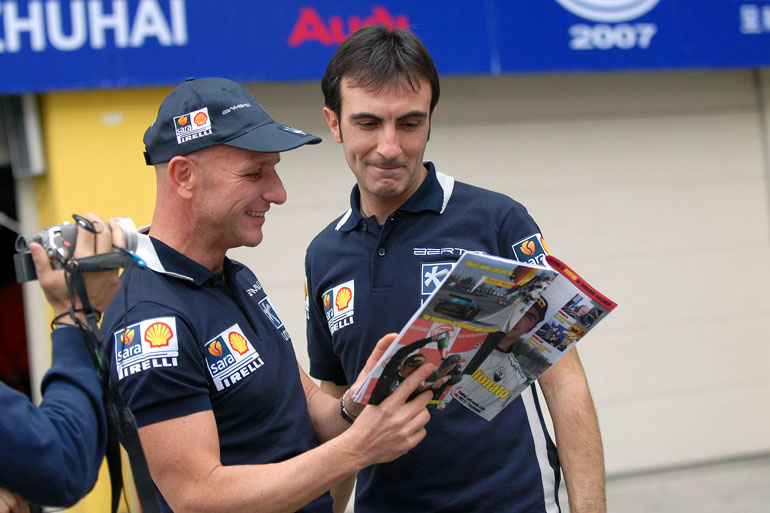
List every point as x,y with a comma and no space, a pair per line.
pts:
272,138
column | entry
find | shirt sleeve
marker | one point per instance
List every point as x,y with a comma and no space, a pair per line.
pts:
156,365
51,455
325,364
519,237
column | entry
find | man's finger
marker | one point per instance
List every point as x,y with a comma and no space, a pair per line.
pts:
103,235
84,244
410,384
379,350
118,237
41,261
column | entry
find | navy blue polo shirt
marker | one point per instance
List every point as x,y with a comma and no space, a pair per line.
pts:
365,280
193,340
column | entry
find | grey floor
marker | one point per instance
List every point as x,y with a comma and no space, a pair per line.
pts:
738,486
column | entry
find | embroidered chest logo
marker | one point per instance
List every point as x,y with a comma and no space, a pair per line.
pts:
531,250
431,276
338,304
146,345
230,357
269,310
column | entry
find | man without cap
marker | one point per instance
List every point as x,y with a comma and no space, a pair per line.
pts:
407,221
227,419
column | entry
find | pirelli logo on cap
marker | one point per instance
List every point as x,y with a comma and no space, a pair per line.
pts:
339,303
146,345
231,357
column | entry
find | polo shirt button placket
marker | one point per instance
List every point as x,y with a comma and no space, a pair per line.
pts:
381,252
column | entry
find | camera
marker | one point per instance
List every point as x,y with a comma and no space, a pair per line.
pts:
59,244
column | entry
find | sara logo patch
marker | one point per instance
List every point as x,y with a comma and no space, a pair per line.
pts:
230,357
307,302
431,276
531,250
338,305
146,345
192,125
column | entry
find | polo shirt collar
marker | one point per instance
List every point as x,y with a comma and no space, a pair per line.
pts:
164,259
433,194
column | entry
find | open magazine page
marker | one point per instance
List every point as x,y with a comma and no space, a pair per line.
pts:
474,304
565,311
492,328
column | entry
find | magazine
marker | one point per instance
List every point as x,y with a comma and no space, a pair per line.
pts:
491,328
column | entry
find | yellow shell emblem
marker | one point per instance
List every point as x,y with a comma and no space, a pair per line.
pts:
343,298
237,342
127,337
158,334
200,118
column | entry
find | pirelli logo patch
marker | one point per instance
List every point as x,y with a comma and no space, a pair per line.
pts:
146,345
231,357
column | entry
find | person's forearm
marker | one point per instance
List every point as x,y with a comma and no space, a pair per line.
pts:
276,487
578,439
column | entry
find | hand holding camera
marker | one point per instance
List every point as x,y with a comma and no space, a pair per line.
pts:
94,237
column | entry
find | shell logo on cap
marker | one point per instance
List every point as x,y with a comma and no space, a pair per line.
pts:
127,337
158,334
238,342
343,298
200,118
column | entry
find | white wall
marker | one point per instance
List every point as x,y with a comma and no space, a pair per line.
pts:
653,186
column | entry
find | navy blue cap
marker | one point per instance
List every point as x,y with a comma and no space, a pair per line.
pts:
212,111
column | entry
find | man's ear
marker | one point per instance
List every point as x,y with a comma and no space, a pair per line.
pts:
334,124
182,176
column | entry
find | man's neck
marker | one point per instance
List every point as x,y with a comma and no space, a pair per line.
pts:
183,238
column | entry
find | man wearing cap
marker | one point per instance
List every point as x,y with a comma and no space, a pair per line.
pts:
406,223
227,419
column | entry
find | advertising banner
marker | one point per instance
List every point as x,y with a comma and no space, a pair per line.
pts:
82,44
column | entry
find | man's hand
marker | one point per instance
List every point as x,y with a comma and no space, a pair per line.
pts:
101,286
379,349
384,432
12,503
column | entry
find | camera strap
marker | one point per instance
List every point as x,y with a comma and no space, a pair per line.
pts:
121,425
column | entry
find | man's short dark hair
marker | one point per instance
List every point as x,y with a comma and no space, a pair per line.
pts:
375,56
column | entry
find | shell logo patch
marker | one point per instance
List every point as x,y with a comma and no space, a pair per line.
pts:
343,298
531,250
231,358
200,119
340,313
200,127
238,342
158,334
156,347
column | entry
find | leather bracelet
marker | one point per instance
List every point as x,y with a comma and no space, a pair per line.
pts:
349,417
